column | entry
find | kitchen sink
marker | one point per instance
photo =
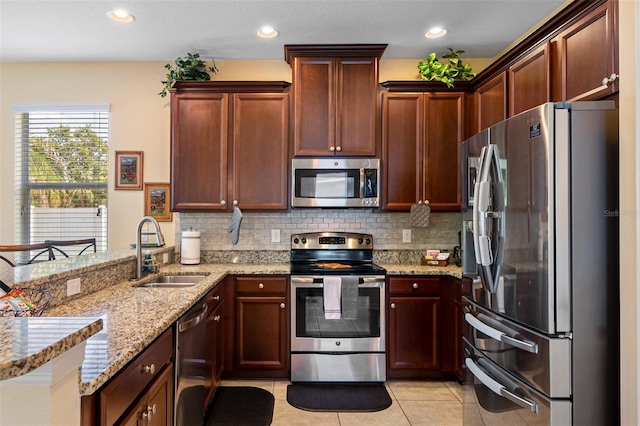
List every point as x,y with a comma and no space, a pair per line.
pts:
173,281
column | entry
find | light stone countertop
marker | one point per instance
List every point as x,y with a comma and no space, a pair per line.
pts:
133,317
46,338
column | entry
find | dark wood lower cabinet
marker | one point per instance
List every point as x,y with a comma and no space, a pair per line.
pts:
424,328
261,328
156,406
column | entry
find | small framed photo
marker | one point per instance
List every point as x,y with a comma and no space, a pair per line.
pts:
129,170
157,201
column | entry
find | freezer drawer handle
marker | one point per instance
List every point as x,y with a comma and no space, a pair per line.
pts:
498,388
499,335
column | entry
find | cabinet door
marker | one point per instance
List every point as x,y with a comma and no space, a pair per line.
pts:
529,81
402,150
260,151
414,333
214,351
199,151
356,107
444,118
491,101
588,53
262,333
156,405
314,106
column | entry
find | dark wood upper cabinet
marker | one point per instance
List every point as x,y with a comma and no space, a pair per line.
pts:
217,137
491,101
529,80
587,55
421,135
199,143
334,99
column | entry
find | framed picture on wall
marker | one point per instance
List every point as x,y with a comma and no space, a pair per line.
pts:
129,170
157,201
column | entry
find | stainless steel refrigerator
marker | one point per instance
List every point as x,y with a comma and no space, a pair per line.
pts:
540,232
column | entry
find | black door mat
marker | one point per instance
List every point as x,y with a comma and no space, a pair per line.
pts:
353,397
239,406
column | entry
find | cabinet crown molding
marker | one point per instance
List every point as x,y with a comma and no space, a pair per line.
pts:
333,50
231,86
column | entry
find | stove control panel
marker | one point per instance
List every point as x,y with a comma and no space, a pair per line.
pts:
332,240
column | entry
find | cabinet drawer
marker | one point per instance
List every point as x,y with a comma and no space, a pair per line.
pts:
415,286
261,285
125,388
213,298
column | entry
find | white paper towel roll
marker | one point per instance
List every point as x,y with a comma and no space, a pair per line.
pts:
190,248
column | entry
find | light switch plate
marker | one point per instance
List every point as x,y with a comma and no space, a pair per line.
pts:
73,286
406,235
275,235
165,257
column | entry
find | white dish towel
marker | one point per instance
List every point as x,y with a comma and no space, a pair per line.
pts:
332,292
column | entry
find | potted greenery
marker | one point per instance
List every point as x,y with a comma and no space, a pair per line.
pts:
189,68
432,69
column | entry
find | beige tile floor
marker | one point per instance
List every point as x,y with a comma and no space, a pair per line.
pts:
414,403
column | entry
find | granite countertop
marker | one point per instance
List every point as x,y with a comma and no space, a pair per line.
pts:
133,317
29,343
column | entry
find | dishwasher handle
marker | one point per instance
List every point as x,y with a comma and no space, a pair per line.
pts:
190,323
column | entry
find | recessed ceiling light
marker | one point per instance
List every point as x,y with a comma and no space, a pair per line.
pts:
120,15
267,32
435,32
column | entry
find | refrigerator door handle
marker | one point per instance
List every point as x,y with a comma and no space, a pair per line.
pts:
500,335
489,194
498,388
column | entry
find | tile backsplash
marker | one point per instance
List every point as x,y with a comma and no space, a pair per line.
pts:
255,229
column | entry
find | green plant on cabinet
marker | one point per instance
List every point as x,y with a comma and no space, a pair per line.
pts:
189,68
432,69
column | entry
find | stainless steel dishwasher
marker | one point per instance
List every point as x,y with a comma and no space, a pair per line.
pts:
190,367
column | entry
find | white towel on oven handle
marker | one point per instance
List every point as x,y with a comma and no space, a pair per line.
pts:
332,289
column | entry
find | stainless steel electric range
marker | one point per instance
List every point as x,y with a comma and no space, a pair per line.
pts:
337,310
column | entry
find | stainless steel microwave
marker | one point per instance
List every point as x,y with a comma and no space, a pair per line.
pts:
335,182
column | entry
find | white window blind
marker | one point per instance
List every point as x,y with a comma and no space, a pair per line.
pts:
61,173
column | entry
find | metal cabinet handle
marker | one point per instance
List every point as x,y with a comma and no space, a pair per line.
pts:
151,410
613,77
235,202
149,368
216,318
282,306
260,286
415,285
339,149
216,297
419,202
393,306
223,203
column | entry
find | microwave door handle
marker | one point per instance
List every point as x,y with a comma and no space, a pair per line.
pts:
362,184
498,388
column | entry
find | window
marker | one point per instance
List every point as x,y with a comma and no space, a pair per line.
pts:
61,173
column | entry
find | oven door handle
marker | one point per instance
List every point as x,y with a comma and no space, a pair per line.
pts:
499,389
316,280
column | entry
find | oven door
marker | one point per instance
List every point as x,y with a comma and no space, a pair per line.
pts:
311,332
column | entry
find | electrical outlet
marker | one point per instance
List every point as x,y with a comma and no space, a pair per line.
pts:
406,235
73,286
275,235
165,257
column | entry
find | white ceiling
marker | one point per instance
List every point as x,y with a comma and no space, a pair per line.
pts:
79,30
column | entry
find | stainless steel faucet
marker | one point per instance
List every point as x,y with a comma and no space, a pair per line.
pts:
159,238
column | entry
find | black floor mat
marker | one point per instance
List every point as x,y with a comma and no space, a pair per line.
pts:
338,397
239,406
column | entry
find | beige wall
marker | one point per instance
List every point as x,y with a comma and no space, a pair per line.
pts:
139,119
629,177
